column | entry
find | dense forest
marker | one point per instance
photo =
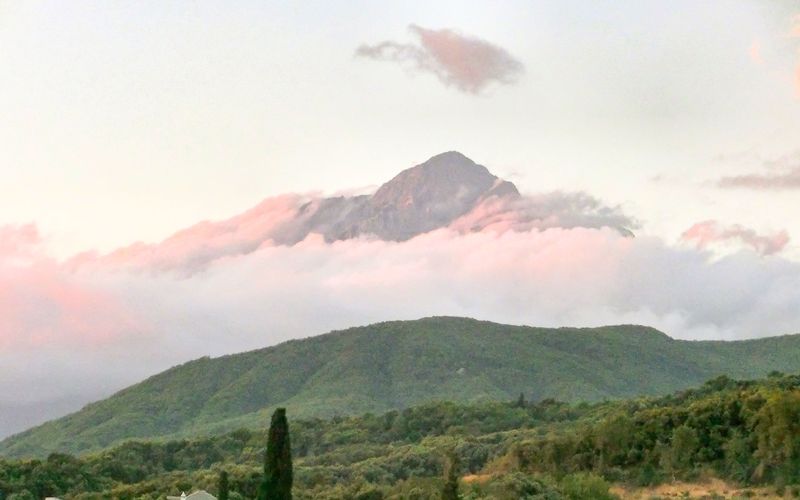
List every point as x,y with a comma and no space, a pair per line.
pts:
746,432
400,364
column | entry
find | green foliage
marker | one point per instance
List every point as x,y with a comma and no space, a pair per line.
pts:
22,495
585,486
451,475
778,437
277,484
396,365
518,486
747,432
223,488
678,458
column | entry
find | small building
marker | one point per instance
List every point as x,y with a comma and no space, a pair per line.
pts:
197,495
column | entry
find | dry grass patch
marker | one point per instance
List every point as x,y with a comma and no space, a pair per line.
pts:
710,489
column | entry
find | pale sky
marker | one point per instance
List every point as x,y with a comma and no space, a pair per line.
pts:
127,121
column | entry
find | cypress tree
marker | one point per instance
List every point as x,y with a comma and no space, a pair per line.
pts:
450,490
222,486
277,484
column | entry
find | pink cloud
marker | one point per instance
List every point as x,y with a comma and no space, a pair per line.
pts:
43,304
99,322
291,219
18,242
106,324
467,63
192,249
706,233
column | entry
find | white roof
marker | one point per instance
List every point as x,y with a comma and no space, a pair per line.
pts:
197,495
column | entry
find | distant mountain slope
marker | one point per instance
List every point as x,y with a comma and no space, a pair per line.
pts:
398,364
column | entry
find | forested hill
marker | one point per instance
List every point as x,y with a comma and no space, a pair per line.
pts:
399,364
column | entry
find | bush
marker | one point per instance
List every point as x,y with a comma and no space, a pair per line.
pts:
586,486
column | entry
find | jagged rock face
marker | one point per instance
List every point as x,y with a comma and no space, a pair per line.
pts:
420,199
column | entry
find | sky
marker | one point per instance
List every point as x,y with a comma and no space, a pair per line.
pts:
129,121
126,122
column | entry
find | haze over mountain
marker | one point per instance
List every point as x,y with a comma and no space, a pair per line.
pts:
402,363
444,237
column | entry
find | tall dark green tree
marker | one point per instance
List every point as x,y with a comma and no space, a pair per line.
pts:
222,486
277,484
450,490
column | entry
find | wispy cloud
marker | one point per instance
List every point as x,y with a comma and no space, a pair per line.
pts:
707,233
467,63
783,173
790,179
544,211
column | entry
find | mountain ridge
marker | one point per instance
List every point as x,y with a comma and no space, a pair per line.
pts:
397,364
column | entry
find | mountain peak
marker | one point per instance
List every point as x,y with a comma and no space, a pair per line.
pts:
450,158
447,177
419,199
433,194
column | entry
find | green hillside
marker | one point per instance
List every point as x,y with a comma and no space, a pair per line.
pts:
399,364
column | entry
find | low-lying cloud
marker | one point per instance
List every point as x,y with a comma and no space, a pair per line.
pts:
544,211
466,63
708,233
83,328
290,219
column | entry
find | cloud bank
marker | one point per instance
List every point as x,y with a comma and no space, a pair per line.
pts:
79,329
464,62
289,219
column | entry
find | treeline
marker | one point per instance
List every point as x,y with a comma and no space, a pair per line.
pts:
743,431
329,455
746,432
